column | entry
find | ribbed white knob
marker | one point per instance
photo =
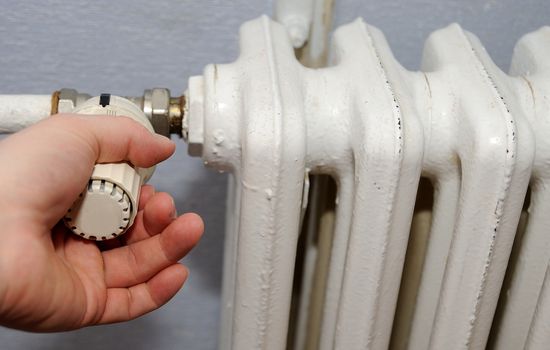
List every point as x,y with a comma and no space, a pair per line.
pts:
108,206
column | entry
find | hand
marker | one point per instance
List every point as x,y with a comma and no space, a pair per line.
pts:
52,280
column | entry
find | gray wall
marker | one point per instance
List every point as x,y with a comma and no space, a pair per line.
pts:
407,23
126,46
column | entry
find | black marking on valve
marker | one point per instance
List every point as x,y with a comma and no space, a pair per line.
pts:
104,100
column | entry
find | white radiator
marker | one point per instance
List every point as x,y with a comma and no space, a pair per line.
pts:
480,136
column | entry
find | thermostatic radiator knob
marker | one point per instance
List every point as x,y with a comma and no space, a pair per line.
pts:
107,207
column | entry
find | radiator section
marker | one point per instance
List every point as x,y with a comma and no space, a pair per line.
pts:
476,134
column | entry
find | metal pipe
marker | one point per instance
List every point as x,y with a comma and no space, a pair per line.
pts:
19,111
165,112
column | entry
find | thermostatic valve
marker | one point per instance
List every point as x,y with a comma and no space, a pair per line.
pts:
164,112
108,205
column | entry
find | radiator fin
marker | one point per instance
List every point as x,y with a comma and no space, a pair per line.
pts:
376,128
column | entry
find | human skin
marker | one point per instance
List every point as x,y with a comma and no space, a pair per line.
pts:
53,280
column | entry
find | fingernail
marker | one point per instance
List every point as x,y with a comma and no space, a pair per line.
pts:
162,138
175,210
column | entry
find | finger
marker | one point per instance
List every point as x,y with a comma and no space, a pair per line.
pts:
96,139
116,139
158,213
124,304
138,262
147,192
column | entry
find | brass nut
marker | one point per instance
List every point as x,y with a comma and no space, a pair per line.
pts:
164,112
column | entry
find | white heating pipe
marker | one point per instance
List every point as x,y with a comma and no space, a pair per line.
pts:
20,111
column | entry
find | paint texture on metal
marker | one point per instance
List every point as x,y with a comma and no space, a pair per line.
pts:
19,111
376,128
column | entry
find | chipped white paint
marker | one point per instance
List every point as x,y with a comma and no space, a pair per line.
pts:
494,146
376,128
20,111
519,328
263,144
